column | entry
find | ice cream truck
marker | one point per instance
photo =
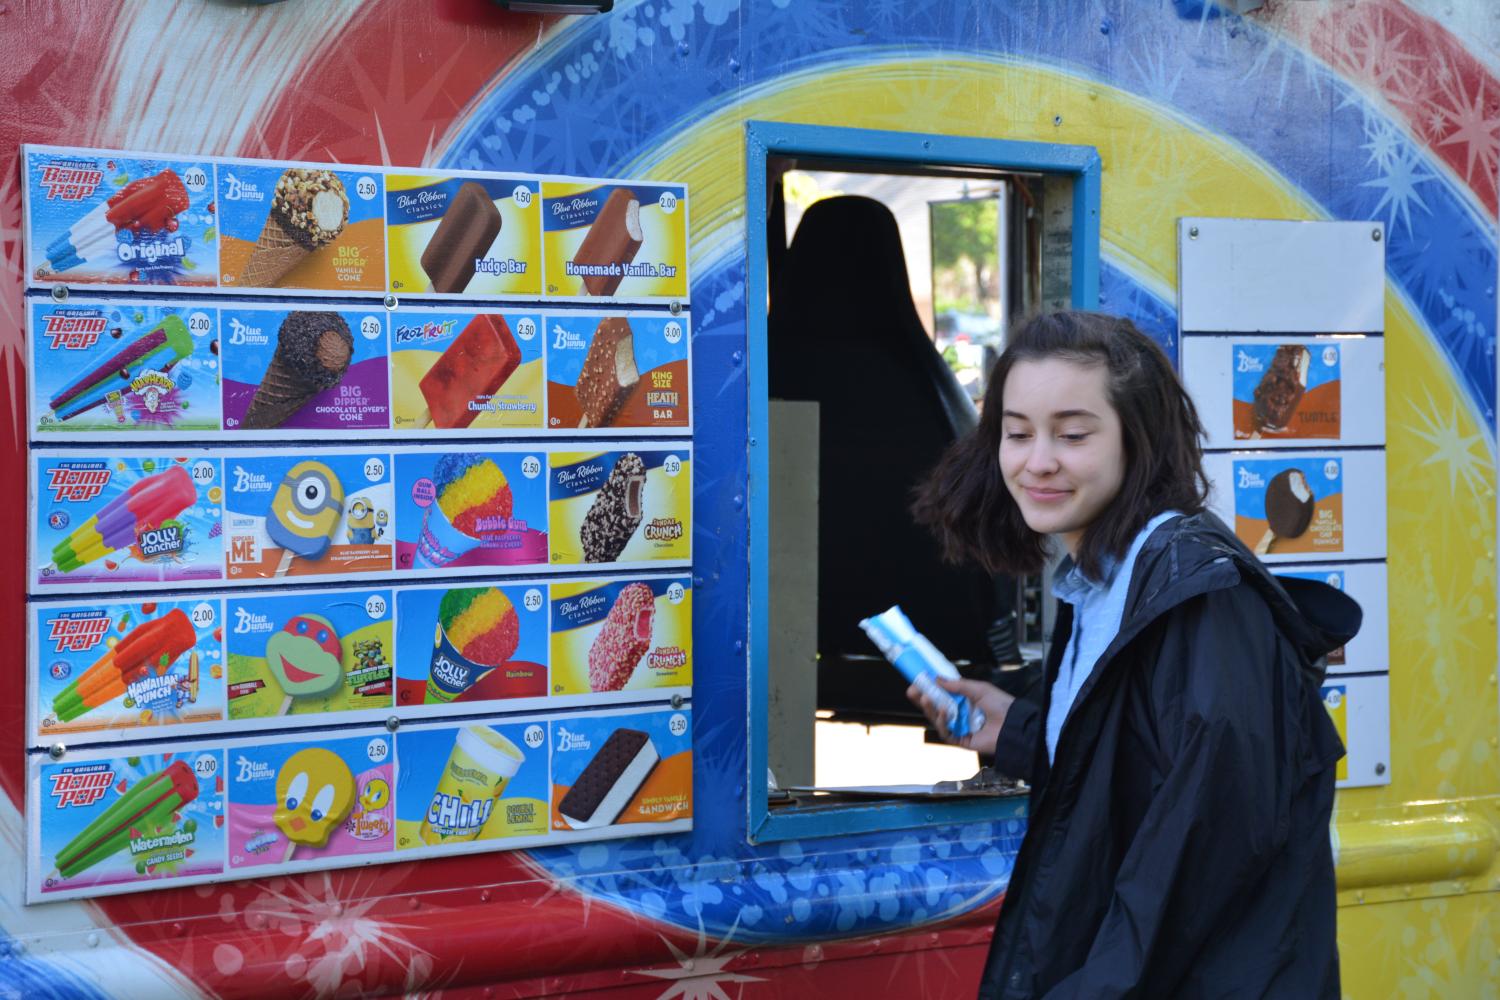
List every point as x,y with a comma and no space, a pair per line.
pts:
450,449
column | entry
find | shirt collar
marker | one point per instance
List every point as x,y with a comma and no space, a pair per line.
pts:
1071,584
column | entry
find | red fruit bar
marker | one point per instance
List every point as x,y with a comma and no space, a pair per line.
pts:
473,368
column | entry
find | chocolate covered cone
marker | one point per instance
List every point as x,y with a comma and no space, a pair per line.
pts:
276,253
313,351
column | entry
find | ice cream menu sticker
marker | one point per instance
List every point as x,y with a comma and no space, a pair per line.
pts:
471,644
475,235
114,522
630,635
460,510
307,515
112,219
120,823
453,371
1286,390
123,367
318,369
478,782
626,506
607,371
609,239
1285,506
616,770
301,227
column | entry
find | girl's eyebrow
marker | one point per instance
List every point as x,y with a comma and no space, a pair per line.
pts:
1059,415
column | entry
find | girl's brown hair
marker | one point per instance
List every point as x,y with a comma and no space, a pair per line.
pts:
964,499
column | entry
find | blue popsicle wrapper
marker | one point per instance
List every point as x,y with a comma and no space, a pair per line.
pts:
920,663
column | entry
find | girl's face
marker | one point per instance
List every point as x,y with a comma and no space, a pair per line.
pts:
1061,450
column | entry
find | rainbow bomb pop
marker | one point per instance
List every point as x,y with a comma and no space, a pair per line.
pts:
307,658
305,512
148,503
920,663
150,203
314,792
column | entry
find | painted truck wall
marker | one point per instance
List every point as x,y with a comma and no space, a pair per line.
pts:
1299,110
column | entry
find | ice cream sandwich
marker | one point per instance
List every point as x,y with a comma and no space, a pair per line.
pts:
610,780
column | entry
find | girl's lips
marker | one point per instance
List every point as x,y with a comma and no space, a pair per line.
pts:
1046,496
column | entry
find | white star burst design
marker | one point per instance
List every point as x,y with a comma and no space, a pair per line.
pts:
1451,447
701,975
1373,54
1398,187
1473,127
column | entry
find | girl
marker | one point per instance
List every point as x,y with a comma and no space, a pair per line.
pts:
1180,759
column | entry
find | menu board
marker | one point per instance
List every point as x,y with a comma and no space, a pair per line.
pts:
360,515
1283,352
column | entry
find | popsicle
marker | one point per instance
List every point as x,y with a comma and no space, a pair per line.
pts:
314,792
148,503
149,203
149,803
608,373
307,659
1289,508
623,639
155,643
305,512
611,243
168,343
470,371
464,235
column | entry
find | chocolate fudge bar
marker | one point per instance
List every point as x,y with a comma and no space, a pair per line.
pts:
1281,388
465,232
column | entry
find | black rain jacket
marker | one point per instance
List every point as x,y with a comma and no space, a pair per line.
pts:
1178,846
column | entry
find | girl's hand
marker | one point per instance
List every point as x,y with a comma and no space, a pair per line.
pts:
990,700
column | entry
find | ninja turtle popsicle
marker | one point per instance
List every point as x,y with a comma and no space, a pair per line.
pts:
307,659
305,512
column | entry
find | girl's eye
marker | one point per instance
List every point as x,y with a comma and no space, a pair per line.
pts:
1075,437
1016,436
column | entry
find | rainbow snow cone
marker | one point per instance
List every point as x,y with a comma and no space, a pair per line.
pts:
473,506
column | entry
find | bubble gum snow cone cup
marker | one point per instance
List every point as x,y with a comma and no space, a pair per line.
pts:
473,505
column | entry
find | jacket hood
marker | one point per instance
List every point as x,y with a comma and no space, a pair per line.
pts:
1197,553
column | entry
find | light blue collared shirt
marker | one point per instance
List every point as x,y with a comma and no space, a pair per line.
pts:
1098,609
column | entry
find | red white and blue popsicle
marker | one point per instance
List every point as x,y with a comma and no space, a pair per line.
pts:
150,203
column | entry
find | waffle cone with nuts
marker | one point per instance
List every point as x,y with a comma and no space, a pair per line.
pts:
308,210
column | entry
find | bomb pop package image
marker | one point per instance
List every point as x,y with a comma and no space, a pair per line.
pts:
307,804
135,519
621,635
309,653
613,771
123,368
459,370
301,515
607,371
454,235
466,509
106,825
628,506
310,227
102,665
314,369
470,644
613,239
97,218
480,782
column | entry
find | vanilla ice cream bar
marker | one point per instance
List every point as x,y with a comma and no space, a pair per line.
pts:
608,373
463,236
610,780
616,512
1281,388
611,243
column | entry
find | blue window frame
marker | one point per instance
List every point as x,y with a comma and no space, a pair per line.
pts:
765,139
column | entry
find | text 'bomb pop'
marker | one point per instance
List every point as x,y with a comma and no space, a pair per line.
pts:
151,204
623,639
474,502
148,503
146,806
314,792
152,644
460,383
307,658
305,512
163,347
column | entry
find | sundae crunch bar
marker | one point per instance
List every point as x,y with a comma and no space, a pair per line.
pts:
608,374
623,639
611,243
1281,388
610,780
616,511
465,233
